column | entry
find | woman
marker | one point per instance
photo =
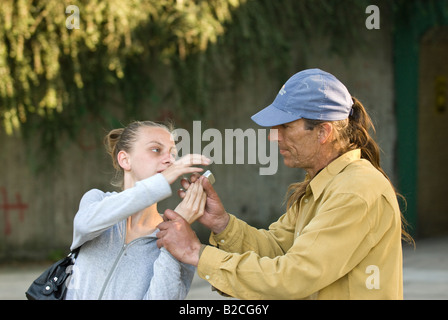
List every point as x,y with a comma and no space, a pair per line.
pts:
119,258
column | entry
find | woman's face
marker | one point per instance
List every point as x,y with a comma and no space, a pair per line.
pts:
152,152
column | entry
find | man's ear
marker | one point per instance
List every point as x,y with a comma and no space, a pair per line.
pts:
325,132
124,160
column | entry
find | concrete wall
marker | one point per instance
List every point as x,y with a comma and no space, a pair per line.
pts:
433,117
36,211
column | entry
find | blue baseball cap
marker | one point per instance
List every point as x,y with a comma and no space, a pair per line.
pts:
311,94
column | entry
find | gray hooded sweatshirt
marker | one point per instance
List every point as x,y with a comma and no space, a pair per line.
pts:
107,267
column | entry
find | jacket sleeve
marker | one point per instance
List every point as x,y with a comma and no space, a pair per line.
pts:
171,280
98,211
239,237
333,242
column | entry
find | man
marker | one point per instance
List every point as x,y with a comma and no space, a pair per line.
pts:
341,235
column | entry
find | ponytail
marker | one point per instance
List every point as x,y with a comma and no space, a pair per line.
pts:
359,125
359,137
111,141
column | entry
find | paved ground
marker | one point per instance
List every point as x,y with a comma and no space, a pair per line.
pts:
425,275
425,270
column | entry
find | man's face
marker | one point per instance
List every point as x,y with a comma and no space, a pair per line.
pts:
298,146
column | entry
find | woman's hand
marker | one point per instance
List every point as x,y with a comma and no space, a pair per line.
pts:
215,216
192,206
184,166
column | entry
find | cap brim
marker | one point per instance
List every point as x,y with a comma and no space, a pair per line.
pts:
272,116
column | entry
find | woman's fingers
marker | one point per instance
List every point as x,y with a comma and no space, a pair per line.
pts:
194,159
184,166
202,205
189,197
197,196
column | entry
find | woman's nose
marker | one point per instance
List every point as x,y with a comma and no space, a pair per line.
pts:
172,158
169,159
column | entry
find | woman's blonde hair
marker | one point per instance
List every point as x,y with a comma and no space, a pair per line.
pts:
122,139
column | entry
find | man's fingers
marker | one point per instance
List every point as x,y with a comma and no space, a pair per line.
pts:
161,233
208,188
185,183
194,177
181,193
162,226
170,215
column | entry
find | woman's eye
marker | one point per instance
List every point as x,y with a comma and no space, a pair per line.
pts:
157,150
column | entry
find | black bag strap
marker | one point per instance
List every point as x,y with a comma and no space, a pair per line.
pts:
74,253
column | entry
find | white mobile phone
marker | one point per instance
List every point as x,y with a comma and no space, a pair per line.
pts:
209,175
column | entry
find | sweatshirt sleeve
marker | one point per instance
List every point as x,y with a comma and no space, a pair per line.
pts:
171,280
98,211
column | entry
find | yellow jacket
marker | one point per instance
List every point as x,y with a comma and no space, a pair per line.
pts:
344,243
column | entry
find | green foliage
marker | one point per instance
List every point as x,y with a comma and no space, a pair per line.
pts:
405,10
52,78
46,68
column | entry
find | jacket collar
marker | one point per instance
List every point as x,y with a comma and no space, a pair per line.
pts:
321,180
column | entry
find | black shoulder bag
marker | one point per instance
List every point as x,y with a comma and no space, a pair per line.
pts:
52,283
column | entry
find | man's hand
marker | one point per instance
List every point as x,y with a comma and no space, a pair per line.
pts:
215,216
178,238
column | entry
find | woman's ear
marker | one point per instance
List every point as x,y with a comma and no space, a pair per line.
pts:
124,160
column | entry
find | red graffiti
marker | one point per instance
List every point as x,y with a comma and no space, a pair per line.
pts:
8,207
